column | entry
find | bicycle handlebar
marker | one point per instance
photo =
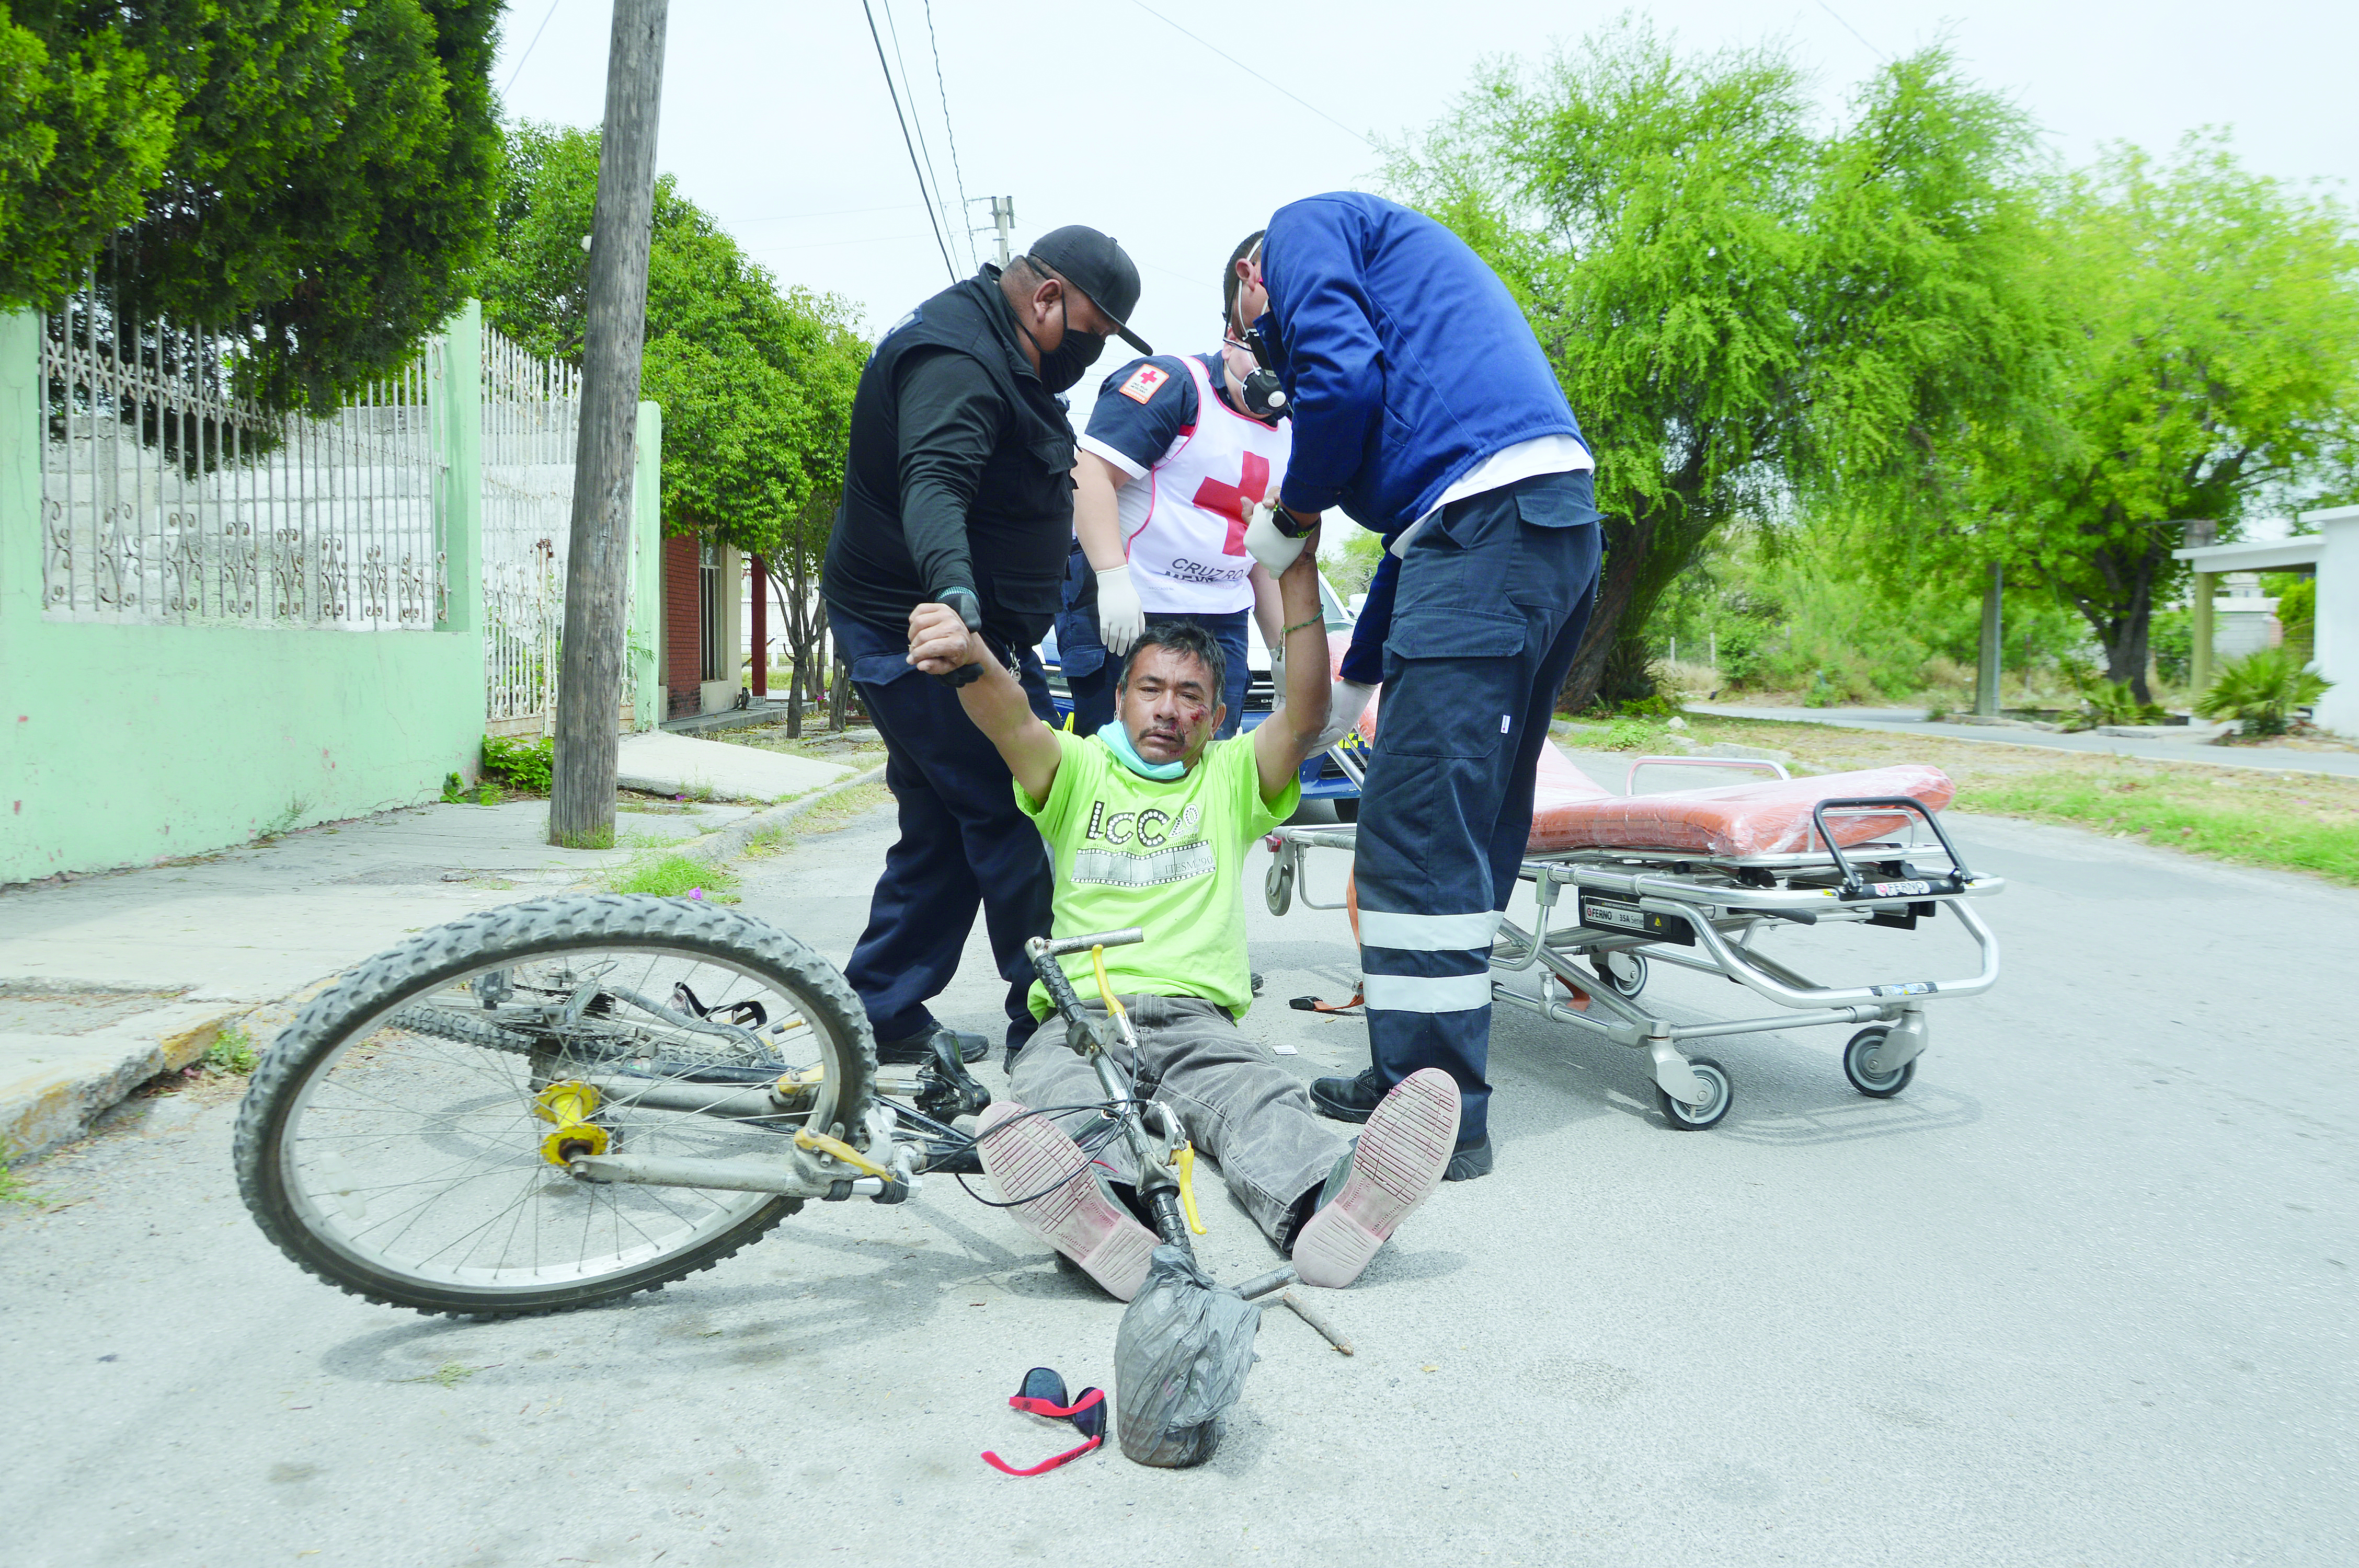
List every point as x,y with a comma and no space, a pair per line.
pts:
1061,946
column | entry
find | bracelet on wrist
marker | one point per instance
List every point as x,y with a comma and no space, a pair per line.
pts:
1299,625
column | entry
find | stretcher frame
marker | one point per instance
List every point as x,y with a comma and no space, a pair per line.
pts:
1720,905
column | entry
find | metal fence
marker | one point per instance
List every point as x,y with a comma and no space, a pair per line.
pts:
167,498
532,422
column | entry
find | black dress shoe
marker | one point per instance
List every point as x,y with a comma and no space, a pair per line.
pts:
1348,1099
920,1048
1471,1160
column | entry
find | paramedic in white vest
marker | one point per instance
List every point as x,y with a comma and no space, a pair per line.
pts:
1169,471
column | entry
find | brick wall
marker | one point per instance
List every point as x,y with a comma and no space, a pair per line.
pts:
682,646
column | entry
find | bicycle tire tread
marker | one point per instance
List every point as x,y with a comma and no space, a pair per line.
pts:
533,927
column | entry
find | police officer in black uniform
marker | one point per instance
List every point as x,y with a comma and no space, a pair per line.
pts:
959,490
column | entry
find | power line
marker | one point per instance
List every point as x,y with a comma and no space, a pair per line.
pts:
553,4
931,217
1854,32
832,212
932,180
825,244
957,174
1257,76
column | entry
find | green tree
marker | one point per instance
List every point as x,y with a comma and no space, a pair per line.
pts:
316,174
2213,362
756,384
1742,310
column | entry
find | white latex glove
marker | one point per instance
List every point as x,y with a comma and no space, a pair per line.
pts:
1276,678
1273,550
1345,703
1121,618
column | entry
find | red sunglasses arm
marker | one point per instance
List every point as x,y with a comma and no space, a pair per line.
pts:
1005,1468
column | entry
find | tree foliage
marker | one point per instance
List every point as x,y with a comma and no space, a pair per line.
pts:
1742,309
2212,364
318,175
755,384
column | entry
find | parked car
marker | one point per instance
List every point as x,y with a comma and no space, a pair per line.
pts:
1322,779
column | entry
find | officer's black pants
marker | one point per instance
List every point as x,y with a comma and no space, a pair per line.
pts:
962,844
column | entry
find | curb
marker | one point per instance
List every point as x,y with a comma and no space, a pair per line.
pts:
728,843
725,844
77,1078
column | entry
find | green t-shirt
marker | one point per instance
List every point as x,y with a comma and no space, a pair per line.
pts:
1168,857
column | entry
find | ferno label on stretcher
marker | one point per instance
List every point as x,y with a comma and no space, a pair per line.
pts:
1607,914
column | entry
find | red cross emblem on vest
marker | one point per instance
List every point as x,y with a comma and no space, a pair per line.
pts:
1235,501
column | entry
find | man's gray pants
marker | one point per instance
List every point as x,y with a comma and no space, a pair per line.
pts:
1242,1109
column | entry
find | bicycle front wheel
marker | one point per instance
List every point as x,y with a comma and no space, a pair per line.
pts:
406,1138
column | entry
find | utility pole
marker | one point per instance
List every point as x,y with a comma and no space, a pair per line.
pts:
1986,676
597,569
1003,218
2194,536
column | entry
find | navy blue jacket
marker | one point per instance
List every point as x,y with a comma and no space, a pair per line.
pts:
1405,359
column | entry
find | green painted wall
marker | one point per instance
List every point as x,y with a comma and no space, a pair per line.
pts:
126,744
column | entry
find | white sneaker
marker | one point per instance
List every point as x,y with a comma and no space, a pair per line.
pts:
1396,1161
1025,1154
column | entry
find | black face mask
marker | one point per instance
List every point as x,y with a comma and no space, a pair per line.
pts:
1075,352
1061,368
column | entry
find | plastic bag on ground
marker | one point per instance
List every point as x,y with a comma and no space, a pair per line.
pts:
1180,1362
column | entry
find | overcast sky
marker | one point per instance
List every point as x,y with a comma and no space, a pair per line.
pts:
775,117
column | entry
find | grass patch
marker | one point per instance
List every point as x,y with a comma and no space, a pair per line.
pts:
232,1052
2181,809
12,1187
448,1375
672,875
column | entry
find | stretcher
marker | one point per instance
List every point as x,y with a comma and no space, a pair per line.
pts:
1696,879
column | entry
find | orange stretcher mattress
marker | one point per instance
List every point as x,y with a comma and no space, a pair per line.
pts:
1771,817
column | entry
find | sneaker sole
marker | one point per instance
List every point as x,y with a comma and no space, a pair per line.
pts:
1078,1219
1400,1160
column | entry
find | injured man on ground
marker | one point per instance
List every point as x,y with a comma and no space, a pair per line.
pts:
1148,822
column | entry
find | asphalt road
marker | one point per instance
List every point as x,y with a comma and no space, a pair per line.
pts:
2083,1295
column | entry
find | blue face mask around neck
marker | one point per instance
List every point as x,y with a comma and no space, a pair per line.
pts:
1117,740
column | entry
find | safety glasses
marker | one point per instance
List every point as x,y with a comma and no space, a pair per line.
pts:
1043,1393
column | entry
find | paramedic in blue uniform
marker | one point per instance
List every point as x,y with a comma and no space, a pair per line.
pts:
1423,406
1172,464
958,490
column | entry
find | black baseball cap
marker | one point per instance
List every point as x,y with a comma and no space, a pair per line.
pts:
1096,265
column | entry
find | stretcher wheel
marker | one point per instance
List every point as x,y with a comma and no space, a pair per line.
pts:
1623,970
1883,1086
1686,1117
1278,888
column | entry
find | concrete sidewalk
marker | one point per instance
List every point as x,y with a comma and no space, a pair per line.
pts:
107,980
2194,748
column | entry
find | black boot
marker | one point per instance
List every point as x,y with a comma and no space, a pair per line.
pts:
1348,1099
920,1048
1469,1161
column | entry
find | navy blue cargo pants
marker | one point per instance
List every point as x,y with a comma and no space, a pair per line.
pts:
963,844
1495,594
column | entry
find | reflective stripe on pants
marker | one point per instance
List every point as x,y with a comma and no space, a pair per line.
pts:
1491,609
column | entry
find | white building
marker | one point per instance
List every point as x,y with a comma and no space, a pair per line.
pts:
2333,554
